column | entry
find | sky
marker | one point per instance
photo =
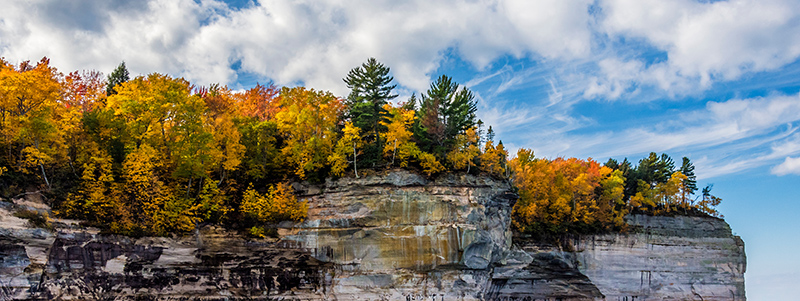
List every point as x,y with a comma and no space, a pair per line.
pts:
715,81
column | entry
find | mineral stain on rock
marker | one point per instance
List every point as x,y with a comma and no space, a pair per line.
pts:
393,236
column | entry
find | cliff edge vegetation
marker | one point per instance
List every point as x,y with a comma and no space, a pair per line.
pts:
154,155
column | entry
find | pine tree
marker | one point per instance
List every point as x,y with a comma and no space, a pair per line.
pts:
118,76
687,169
654,169
490,134
411,104
370,89
446,112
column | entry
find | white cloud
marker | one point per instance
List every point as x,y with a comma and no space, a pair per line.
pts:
575,47
789,166
317,42
705,42
314,43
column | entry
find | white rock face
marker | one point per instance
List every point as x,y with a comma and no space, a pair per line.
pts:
683,258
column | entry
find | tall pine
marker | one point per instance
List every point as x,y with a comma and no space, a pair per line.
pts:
687,169
446,111
370,89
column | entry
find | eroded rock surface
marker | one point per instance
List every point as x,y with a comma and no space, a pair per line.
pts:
682,257
394,236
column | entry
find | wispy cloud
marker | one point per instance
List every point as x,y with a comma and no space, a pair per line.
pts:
789,166
733,135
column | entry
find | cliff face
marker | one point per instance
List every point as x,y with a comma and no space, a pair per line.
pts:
397,236
660,258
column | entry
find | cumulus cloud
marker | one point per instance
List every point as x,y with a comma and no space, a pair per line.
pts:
315,43
705,42
632,50
789,166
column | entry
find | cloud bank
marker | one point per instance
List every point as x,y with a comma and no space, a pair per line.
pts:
315,42
602,51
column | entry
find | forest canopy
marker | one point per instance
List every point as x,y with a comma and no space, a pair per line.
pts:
153,154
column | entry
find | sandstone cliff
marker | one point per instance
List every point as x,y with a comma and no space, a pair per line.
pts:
395,236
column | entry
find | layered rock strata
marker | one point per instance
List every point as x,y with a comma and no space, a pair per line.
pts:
393,236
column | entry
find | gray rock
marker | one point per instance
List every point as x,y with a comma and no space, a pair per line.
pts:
391,236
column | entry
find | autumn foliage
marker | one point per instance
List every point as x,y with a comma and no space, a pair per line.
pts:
155,155
560,196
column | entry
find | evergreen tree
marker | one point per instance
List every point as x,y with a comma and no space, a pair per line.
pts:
446,112
490,134
612,163
479,126
687,169
411,104
370,89
655,169
118,76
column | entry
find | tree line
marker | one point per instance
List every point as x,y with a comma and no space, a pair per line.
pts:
573,196
153,155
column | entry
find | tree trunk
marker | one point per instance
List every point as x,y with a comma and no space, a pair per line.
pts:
395,151
222,177
355,156
44,175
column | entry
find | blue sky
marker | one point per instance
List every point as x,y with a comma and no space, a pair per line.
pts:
717,81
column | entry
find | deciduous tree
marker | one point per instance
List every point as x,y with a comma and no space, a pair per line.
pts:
349,146
308,121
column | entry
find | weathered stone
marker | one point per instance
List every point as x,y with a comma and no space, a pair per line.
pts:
680,257
390,236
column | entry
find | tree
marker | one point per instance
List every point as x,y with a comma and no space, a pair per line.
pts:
118,76
411,104
430,165
446,111
162,112
398,136
708,202
370,89
566,195
219,119
262,157
308,121
651,171
493,159
490,134
153,205
654,169
83,91
97,198
28,109
612,199
349,144
687,168
465,150
260,102
278,204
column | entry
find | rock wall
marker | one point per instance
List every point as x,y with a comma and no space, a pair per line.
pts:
393,236
684,258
